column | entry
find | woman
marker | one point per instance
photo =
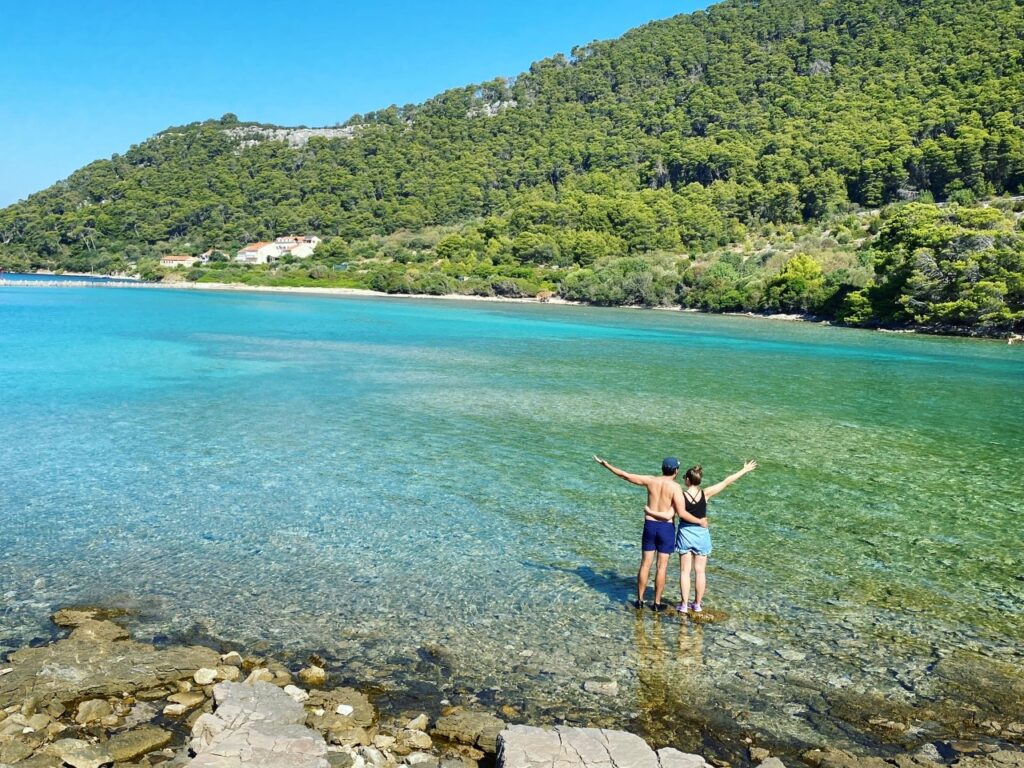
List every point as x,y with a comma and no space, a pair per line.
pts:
693,542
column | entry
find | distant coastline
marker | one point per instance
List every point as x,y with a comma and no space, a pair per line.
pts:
125,281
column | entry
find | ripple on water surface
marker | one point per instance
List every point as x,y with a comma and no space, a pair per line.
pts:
406,488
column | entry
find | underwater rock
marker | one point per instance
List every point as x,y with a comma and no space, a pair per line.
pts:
604,686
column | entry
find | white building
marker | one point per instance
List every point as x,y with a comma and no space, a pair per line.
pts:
257,253
299,246
177,261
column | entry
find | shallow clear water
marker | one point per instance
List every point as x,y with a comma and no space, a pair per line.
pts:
406,488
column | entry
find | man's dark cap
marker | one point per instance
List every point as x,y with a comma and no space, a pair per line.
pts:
669,464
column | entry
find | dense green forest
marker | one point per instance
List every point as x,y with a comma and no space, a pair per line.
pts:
853,159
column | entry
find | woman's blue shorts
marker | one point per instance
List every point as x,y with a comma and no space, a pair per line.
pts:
693,538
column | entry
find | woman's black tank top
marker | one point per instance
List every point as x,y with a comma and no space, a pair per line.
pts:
698,508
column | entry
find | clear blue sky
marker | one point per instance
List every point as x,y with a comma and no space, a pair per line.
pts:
82,79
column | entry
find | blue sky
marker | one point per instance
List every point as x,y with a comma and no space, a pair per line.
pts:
82,79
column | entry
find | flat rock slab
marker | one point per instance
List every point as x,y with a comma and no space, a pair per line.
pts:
256,725
522,746
91,664
478,729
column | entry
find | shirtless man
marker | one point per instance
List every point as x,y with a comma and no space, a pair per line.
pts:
664,500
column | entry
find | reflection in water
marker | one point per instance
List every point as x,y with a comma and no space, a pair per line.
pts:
669,658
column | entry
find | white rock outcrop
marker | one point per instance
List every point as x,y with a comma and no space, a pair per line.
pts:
522,746
256,726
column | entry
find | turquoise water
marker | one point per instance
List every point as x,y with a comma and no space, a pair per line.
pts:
405,487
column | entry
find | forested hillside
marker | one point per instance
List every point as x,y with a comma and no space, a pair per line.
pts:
826,157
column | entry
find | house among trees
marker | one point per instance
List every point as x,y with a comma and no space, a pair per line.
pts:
256,253
298,246
177,260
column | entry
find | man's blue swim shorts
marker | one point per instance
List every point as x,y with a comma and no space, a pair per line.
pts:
659,535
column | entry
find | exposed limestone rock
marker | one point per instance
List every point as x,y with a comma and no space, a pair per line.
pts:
296,693
92,711
136,743
228,672
205,676
256,726
837,758
189,699
418,723
232,658
98,632
252,135
261,675
478,729
93,662
15,750
411,740
344,714
78,753
521,746
313,675
999,759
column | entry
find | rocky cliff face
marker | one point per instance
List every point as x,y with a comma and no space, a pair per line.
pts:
251,135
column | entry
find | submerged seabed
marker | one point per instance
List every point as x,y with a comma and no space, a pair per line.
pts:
405,487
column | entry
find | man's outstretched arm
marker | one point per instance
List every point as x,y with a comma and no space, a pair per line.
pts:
628,477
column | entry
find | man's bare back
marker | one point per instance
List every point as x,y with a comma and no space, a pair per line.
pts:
664,498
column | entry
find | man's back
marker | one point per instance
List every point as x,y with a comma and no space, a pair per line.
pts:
661,491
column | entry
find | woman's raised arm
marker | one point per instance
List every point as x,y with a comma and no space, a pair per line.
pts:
717,488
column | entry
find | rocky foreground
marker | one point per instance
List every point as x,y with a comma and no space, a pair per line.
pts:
98,698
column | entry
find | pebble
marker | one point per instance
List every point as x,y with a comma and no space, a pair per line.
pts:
345,710
260,675
752,639
789,655
175,710
190,699
313,675
929,752
373,756
232,658
419,758
228,672
418,723
416,739
298,695
205,676
604,686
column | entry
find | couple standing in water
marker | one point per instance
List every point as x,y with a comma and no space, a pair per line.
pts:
666,500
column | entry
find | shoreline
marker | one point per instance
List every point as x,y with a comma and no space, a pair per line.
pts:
1010,337
94,690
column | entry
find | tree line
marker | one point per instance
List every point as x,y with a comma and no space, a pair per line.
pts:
754,156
